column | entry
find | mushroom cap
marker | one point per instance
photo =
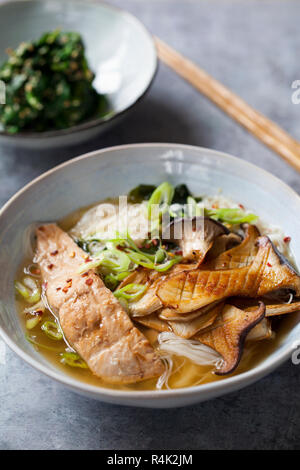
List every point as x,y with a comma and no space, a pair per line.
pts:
195,235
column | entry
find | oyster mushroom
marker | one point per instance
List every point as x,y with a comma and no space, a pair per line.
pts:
191,290
238,256
227,335
263,330
195,236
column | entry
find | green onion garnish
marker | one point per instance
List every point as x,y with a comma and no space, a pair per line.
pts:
193,209
144,261
33,322
73,360
29,290
159,203
113,259
39,345
52,330
130,292
231,216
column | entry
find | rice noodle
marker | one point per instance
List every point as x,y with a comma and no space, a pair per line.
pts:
192,349
164,378
28,241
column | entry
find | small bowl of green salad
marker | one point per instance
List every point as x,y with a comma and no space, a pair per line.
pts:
69,70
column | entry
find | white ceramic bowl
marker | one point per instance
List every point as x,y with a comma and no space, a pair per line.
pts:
112,172
119,49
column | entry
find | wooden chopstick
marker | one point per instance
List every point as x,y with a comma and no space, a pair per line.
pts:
261,127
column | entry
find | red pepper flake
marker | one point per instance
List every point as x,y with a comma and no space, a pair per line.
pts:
38,313
54,253
58,288
241,206
178,252
84,274
69,280
65,289
269,264
287,239
88,259
89,282
50,266
35,271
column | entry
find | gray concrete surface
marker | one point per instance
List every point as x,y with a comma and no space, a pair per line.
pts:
253,47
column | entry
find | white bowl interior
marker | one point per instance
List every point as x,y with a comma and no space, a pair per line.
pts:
119,49
112,172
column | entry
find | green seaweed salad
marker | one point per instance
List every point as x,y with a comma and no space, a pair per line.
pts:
49,85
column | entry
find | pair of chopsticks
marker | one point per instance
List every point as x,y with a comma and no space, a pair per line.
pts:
261,127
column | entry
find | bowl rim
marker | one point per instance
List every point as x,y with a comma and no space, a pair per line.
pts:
94,122
215,388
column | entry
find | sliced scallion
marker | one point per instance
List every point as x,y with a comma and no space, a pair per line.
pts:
193,209
144,261
73,360
158,204
130,292
52,330
29,290
231,216
113,259
33,322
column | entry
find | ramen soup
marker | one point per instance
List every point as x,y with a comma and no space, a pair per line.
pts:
159,289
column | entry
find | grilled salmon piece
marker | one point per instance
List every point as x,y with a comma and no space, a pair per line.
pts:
228,334
91,318
188,291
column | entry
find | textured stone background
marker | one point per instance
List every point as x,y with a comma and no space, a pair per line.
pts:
253,47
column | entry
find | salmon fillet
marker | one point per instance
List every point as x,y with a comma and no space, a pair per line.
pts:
92,319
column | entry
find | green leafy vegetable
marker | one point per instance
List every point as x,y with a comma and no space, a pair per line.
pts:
49,85
140,193
181,193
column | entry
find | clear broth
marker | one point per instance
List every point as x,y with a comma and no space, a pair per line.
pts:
185,373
